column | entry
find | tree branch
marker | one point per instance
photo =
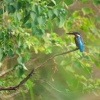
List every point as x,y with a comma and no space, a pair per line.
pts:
6,72
44,81
12,94
65,52
30,74
55,56
1,0
20,84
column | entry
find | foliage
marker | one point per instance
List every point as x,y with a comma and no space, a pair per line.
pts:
28,26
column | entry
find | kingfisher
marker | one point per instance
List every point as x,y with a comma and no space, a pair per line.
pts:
78,40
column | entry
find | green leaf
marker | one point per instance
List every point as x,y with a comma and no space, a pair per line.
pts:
20,60
77,64
36,31
96,2
19,5
0,64
1,11
26,56
40,10
19,44
56,11
68,2
97,63
60,21
29,84
36,50
83,78
9,1
54,1
26,18
41,20
70,69
35,8
10,53
52,4
84,1
87,70
75,14
48,50
34,24
87,11
18,51
11,9
50,25
33,16
97,19
24,67
28,25
19,70
19,17
65,62
1,54
51,15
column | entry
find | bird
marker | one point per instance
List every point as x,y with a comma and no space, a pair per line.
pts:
78,40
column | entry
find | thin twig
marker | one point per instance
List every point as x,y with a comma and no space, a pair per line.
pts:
51,86
44,81
13,94
3,19
6,72
32,60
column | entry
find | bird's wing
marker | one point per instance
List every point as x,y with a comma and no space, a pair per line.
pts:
76,41
79,43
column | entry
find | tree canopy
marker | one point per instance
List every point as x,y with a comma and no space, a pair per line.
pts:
33,40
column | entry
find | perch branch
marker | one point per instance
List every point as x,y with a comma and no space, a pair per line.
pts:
32,71
55,56
65,52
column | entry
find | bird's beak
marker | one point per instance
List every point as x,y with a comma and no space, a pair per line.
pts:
70,33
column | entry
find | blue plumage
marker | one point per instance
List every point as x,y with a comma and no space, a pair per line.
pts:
78,40
79,43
